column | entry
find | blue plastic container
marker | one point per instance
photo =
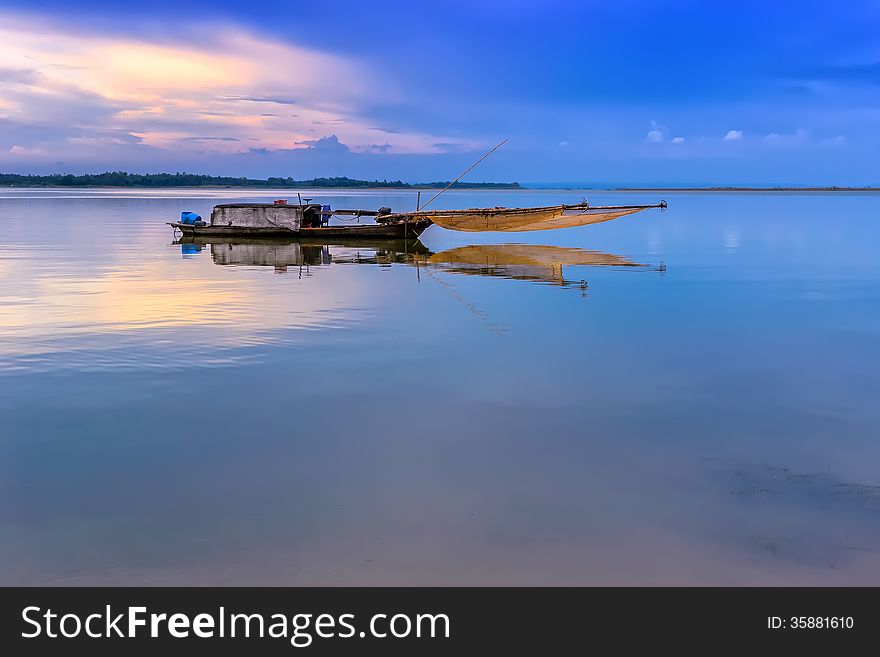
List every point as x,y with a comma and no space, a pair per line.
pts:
189,217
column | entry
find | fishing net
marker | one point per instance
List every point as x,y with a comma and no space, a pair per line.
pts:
525,219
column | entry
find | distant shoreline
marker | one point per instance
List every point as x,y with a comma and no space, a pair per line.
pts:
125,180
744,189
134,181
303,188
414,186
466,187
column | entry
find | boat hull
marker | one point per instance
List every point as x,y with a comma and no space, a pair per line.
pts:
393,230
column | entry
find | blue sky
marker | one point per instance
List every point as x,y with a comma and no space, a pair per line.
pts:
628,92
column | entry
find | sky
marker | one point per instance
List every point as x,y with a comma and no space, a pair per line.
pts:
624,92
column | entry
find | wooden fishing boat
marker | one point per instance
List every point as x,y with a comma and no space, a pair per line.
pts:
311,219
521,219
282,220
397,230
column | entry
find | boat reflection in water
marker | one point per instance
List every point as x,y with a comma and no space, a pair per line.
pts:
526,262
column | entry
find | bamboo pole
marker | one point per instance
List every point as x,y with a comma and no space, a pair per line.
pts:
461,175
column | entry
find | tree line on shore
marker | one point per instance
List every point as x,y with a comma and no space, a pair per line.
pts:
181,179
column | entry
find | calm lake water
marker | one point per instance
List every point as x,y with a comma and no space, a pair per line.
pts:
685,397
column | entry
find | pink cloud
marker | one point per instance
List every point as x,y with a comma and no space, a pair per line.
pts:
98,90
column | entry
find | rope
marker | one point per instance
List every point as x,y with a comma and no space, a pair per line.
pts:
461,175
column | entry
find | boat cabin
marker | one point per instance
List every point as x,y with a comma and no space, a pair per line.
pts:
269,216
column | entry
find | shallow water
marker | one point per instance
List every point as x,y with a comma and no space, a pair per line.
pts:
694,403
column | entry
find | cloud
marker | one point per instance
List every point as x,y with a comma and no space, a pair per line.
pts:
328,143
451,147
82,95
733,135
797,138
204,139
279,100
56,102
655,134
19,75
677,140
